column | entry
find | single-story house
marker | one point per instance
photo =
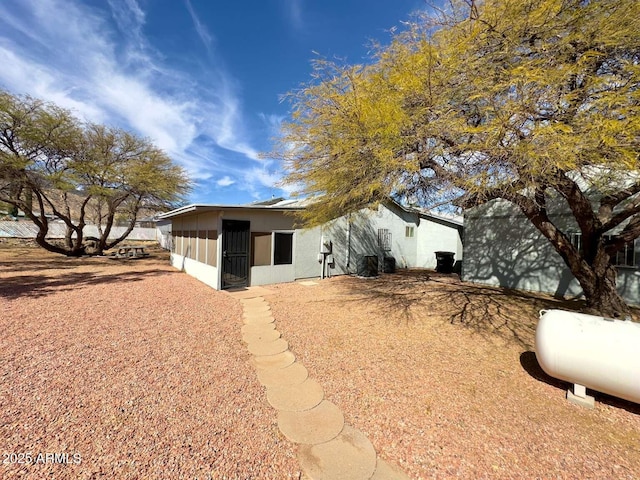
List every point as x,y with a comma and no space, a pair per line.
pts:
503,248
227,246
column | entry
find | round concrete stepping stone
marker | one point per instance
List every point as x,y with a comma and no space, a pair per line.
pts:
257,327
267,335
349,456
295,398
256,308
268,348
318,425
385,471
249,316
258,320
294,374
254,316
280,360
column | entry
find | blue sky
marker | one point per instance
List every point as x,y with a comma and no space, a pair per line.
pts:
203,79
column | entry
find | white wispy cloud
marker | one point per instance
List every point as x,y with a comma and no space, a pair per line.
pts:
294,13
225,181
201,29
266,177
100,65
130,19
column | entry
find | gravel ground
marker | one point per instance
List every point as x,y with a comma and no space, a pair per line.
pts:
442,378
135,370
131,368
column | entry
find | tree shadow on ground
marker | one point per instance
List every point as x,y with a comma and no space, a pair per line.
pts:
530,364
31,265
410,295
34,258
40,285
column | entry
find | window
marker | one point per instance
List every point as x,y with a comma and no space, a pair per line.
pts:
627,256
282,248
212,248
384,239
202,246
176,241
193,242
408,231
260,248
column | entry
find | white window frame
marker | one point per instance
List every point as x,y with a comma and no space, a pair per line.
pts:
630,249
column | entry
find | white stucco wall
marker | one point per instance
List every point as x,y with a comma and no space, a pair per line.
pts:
203,272
269,274
306,263
503,248
434,237
304,255
352,236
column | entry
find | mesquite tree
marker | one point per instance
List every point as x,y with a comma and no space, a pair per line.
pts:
53,167
534,102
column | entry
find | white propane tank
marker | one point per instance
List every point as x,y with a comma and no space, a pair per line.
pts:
595,352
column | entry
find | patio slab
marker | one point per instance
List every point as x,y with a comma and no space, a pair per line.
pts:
248,292
253,301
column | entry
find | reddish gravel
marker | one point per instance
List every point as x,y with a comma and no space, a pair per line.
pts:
136,369
141,371
442,378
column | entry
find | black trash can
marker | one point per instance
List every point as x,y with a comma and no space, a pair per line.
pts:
389,265
444,262
368,266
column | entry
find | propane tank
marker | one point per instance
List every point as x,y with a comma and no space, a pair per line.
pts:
599,353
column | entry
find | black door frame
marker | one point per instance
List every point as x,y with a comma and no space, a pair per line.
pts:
235,253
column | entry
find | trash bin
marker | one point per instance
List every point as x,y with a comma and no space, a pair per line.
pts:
444,262
368,266
389,265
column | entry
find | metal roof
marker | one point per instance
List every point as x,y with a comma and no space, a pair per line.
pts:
279,206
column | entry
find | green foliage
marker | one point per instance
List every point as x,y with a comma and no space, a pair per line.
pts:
503,99
79,172
519,100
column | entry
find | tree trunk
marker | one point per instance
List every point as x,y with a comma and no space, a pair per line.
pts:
601,294
592,266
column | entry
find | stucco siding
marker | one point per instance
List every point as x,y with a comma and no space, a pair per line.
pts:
388,230
306,263
434,237
268,274
203,272
503,248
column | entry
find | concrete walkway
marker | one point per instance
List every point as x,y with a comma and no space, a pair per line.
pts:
328,448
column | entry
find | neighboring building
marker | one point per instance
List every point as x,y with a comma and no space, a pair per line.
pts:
503,248
227,246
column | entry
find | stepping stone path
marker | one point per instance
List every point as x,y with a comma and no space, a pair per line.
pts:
329,448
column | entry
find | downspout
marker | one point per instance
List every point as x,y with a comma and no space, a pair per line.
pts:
348,243
321,256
